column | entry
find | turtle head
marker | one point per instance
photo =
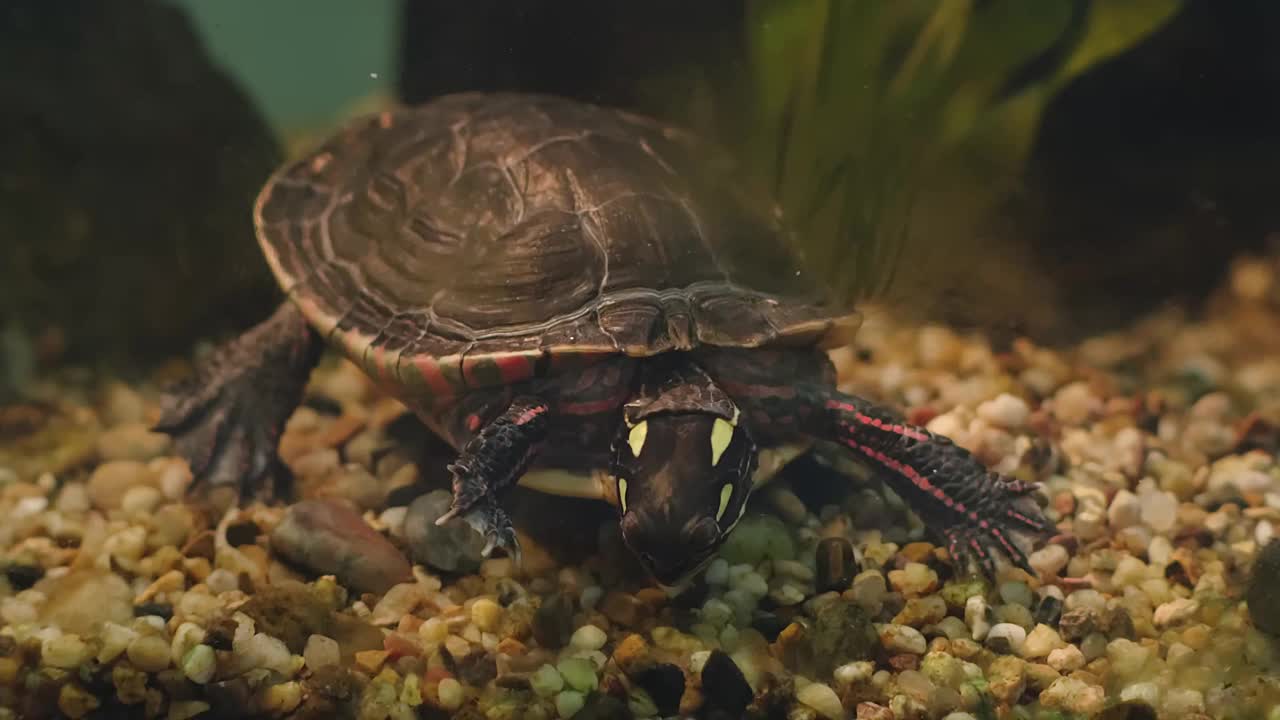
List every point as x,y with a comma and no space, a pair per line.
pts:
683,478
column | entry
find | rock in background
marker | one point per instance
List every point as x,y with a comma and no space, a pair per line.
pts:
130,166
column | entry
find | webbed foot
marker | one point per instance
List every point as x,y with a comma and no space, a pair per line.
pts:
227,420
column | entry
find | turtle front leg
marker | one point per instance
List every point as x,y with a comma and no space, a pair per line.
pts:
956,496
227,420
493,461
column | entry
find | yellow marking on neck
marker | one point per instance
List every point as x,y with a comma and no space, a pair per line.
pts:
636,438
726,493
721,436
622,493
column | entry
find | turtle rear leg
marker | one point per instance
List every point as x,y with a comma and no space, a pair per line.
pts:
227,420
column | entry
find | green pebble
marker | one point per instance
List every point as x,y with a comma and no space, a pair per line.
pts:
579,673
1016,593
756,538
716,612
546,681
957,593
641,705
568,703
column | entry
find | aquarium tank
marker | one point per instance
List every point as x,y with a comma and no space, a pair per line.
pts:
733,359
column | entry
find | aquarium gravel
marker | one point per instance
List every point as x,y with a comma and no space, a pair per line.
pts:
1155,447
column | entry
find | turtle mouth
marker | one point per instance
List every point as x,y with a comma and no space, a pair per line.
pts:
685,579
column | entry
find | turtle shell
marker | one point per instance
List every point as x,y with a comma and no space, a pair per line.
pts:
482,239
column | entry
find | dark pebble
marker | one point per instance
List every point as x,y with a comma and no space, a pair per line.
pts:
243,533
842,633
1076,624
1049,611
1119,624
327,536
769,625
723,686
600,706
665,684
513,681
1134,710
453,548
22,577
552,624
289,610
477,669
164,610
836,565
1261,594
228,698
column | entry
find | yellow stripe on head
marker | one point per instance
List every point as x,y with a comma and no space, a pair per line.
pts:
636,438
726,494
721,436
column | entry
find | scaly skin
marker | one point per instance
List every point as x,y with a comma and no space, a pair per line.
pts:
227,420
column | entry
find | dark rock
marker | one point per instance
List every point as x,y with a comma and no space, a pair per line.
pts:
1119,624
477,669
723,686
1076,624
1134,710
100,180
552,624
769,624
328,537
455,547
664,683
164,610
600,706
22,577
290,611
1262,593
836,565
243,533
1049,611
842,632
228,698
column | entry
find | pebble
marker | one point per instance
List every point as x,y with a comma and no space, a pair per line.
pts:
1041,641
552,623
1017,593
902,639
321,652
1174,612
140,500
1125,510
450,693
1006,678
1263,591
132,441
1006,638
199,664
454,548
579,673
1075,696
546,681
149,653
1007,411
717,572
914,579
486,614
329,538
1159,510
823,699
977,617
724,685
835,565
111,480
1066,659
868,590
588,637
65,651
569,702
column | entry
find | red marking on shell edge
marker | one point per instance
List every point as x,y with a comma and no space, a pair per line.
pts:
515,367
530,414
473,422
434,379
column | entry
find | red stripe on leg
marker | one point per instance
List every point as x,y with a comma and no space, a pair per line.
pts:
895,428
916,478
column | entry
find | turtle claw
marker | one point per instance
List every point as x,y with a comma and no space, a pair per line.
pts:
494,525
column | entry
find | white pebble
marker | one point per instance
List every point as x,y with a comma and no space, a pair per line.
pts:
1125,510
1049,560
902,639
823,699
1041,641
1066,658
1175,611
221,580
64,651
1005,410
588,637
140,500
1006,637
199,664
976,616
1160,511
1144,692
717,572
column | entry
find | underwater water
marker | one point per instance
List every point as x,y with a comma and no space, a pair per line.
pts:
275,304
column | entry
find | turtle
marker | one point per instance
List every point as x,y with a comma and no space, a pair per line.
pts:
578,299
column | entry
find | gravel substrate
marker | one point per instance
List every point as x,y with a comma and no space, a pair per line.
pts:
1155,447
